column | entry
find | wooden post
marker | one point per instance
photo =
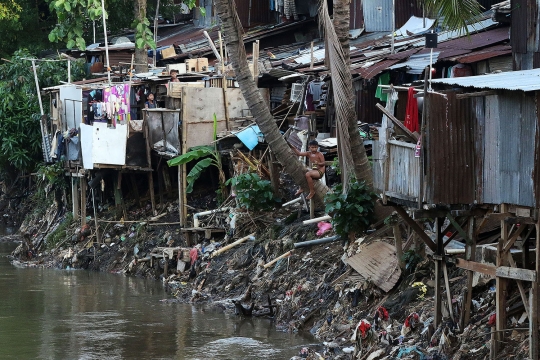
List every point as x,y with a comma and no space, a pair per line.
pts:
311,208
135,189
447,286
83,200
470,254
224,83
152,194
534,352
75,198
312,58
181,205
500,296
438,268
399,245
165,266
256,62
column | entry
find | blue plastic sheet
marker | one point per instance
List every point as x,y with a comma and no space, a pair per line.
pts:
250,136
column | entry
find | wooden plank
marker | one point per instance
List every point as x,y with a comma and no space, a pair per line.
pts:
83,200
402,144
415,227
448,292
520,220
75,198
399,245
520,287
438,268
398,123
515,273
485,269
378,263
513,239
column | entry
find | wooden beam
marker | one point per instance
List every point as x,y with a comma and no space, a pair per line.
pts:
458,228
75,198
398,123
415,227
83,200
513,239
448,293
470,255
486,269
438,267
500,282
520,220
475,94
534,351
515,273
520,287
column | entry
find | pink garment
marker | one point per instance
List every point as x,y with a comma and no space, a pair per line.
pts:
323,227
193,255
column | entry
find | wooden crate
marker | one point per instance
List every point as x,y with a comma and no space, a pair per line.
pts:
191,65
202,64
168,52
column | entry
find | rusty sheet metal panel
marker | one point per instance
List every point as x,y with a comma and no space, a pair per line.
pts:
450,150
516,151
491,168
404,171
357,15
518,37
478,104
366,111
253,12
377,15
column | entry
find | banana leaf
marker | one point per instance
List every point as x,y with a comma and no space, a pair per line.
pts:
196,172
194,154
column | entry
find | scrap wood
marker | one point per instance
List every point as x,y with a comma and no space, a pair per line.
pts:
288,253
378,263
254,164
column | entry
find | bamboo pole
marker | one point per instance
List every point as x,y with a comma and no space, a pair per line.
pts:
287,254
236,243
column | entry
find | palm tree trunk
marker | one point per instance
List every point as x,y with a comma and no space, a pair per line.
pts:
141,55
347,113
232,28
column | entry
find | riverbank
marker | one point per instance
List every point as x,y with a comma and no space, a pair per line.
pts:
310,290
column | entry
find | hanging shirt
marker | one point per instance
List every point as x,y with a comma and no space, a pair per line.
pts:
384,79
315,89
411,115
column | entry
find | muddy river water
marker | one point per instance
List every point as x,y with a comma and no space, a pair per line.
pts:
77,314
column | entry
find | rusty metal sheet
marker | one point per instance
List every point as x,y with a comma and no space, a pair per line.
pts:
450,149
252,12
375,69
518,22
378,263
483,54
478,40
404,10
536,171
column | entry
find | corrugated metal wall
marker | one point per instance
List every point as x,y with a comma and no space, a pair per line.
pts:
404,175
491,169
357,15
377,15
536,171
518,35
450,150
366,111
257,15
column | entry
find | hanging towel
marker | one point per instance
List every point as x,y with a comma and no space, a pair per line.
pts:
411,116
384,79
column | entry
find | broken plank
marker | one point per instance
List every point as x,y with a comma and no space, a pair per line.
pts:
398,123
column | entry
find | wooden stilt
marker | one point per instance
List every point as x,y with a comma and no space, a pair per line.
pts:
501,283
534,351
135,189
152,194
470,254
75,198
311,208
416,228
160,183
438,268
448,292
83,200
181,206
166,178
165,266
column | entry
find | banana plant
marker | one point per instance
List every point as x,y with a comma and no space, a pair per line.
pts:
207,156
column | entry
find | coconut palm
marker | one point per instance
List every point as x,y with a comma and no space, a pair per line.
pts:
232,28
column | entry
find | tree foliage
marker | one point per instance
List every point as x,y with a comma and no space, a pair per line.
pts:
20,135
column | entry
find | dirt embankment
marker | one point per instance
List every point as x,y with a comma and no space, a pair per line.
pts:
310,290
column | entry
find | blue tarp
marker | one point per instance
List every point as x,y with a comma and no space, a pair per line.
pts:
250,136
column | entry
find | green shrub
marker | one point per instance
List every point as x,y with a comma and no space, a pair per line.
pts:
352,212
253,193
59,234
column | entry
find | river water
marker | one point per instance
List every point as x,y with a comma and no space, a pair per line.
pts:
61,314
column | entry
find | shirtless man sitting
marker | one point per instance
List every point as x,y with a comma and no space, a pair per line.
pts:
317,165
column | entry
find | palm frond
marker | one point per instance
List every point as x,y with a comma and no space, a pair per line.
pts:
454,14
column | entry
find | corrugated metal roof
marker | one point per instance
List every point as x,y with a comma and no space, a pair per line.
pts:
416,63
368,72
484,54
525,80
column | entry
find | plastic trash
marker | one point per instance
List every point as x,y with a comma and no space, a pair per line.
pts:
323,227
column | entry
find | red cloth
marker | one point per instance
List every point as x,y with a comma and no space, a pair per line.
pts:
364,327
383,313
193,255
411,115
